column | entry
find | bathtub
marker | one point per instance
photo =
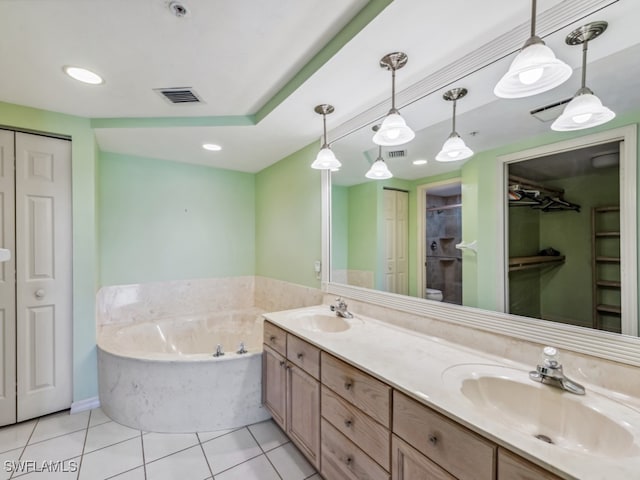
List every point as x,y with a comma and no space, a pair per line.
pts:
161,375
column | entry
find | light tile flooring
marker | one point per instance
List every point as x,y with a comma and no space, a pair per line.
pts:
89,446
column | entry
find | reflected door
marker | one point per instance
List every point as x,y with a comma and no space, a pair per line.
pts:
396,208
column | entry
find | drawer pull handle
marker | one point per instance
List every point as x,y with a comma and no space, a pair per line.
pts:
348,384
300,355
433,439
348,423
272,338
348,461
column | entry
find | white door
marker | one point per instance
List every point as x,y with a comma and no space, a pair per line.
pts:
43,275
396,214
7,282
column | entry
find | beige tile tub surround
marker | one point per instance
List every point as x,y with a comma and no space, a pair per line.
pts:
414,364
151,301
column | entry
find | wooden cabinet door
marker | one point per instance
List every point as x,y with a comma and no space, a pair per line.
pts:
409,464
303,412
274,379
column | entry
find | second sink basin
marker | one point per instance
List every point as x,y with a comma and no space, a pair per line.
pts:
591,424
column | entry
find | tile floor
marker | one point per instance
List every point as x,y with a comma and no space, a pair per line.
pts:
89,446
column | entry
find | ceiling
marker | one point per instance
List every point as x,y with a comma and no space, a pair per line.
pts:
260,68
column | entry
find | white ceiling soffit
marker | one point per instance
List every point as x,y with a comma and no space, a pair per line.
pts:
235,54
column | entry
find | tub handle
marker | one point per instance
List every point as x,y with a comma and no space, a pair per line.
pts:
300,355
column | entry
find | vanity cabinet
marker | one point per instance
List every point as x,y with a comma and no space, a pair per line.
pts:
513,467
459,451
353,426
291,389
356,423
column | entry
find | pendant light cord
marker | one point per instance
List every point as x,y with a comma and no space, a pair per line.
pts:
533,18
454,117
393,88
584,64
324,128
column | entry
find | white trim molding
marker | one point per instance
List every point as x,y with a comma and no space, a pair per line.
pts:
85,404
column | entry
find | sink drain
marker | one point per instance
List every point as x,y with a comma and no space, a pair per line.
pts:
544,438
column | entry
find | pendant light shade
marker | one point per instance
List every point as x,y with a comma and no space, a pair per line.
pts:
394,130
534,70
326,159
454,148
585,110
379,169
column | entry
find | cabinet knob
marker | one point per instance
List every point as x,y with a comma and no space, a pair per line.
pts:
348,423
272,338
300,355
288,367
433,439
348,461
282,363
39,293
348,384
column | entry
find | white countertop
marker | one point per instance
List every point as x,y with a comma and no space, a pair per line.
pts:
417,365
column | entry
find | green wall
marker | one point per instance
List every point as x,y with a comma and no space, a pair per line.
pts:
85,243
288,219
162,220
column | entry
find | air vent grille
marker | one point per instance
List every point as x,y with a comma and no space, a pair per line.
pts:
397,154
551,111
179,95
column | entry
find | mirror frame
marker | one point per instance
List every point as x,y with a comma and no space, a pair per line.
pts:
611,346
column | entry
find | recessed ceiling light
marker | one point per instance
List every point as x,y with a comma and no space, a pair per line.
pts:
211,147
83,75
419,162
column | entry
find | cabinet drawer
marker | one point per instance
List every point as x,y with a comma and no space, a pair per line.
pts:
409,464
358,427
341,459
275,337
513,467
461,452
365,392
304,355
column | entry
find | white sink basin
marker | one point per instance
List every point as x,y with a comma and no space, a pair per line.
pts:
326,323
591,424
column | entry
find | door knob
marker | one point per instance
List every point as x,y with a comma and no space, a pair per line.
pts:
39,293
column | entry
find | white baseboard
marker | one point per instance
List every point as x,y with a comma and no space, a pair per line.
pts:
85,404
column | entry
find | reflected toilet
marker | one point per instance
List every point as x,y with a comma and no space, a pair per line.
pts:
433,294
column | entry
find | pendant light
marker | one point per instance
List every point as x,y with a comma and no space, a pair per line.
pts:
534,70
379,169
326,159
454,148
394,130
585,110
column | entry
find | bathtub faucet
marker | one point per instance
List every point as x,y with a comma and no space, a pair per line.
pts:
219,351
242,350
341,309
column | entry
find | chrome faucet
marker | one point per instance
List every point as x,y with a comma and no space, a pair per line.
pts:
219,351
341,309
550,373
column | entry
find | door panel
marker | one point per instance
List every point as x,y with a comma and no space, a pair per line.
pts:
44,309
7,282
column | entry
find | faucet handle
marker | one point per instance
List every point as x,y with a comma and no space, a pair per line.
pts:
550,357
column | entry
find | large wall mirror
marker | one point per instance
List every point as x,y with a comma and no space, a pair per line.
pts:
536,230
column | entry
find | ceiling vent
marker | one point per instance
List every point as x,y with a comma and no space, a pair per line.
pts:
551,111
396,154
179,95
